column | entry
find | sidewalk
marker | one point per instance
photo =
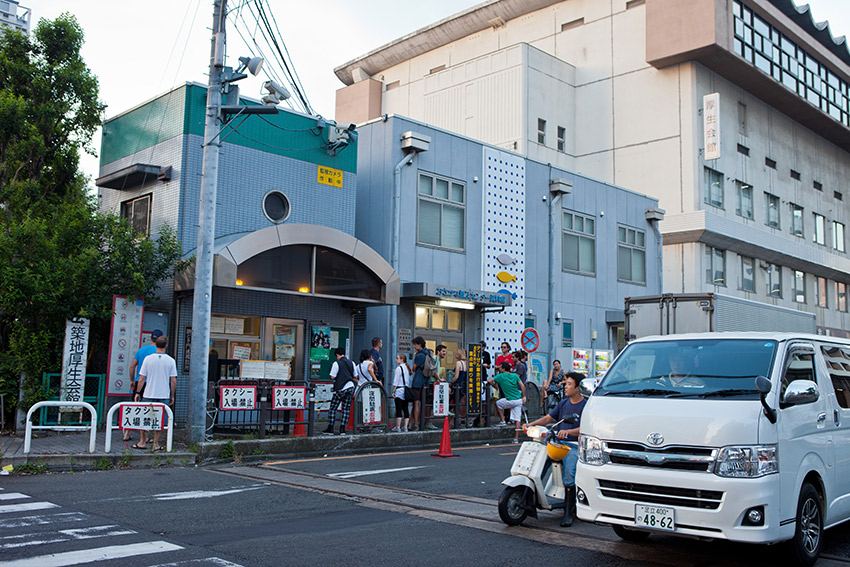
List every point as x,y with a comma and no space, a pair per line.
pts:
66,451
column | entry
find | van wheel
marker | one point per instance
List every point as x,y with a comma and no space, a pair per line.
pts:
629,534
808,534
513,505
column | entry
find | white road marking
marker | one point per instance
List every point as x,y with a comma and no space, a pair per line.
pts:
24,540
192,494
353,474
42,519
10,508
214,561
13,496
67,558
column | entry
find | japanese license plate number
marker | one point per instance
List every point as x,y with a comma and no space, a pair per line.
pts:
655,517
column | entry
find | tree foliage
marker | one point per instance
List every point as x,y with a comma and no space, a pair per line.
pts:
59,256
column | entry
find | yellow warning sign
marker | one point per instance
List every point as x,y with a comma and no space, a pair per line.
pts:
330,176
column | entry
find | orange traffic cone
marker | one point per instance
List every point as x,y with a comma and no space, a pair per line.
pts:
445,442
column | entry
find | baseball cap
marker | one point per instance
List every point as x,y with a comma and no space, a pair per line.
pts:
156,334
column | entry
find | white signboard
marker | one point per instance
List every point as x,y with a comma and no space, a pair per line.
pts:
371,406
140,415
238,398
322,396
252,369
74,359
276,370
711,125
441,399
289,397
125,340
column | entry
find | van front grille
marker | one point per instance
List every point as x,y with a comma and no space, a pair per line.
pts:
674,457
663,495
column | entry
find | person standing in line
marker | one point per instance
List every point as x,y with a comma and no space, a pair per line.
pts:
377,345
365,371
158,381
342,372
401,382
459,380
520,368
513,397
419,381
504,357
440,351
136,365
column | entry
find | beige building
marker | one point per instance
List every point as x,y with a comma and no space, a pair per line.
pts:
616,90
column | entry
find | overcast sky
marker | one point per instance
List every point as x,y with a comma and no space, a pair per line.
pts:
139,49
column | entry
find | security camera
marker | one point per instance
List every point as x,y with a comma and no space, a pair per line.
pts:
276,92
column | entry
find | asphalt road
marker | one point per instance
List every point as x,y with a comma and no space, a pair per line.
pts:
404,508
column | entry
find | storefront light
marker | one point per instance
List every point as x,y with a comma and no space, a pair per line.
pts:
239,282
455,304
304,289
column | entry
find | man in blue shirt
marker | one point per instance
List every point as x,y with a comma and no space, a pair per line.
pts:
572,404
377,344
418,381
136,364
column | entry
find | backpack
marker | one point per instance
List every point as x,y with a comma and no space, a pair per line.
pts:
429,369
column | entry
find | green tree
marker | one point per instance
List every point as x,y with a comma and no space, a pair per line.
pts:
59,256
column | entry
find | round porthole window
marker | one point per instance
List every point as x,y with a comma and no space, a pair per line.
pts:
276,206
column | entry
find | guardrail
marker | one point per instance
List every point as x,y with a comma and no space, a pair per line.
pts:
170,427
37,405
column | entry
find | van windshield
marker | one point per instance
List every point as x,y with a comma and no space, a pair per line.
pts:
696,368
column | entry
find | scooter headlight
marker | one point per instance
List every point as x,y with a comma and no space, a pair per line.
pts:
590,450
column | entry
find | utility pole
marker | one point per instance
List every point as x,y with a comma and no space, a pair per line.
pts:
202,307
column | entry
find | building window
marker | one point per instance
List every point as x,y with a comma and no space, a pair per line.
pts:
138,214
840,296
440,220
771,163
744,207
817,185
562,137
715,266
713,188
838,196
530,321
541,131
820,289
772,206
795,175
438,318
820,229
276,206
797,220
748,274
773,280
838,236
567,334
579,246
631,255
799,286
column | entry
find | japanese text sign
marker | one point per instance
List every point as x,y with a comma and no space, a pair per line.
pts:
141,415
238,398
289,397
711,125
329,176
441,399
74,360
371,406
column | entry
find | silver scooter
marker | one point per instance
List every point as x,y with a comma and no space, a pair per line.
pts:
536,481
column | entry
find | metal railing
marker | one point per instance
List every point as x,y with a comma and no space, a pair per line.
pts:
94,393
263,418
170,427
92,425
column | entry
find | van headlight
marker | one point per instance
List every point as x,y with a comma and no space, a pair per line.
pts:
747,462
590,450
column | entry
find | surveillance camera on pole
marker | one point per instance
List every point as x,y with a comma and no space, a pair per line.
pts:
277,93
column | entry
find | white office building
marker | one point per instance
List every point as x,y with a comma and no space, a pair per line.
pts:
733,113
14,16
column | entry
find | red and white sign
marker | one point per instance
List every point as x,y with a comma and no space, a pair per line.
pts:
371,406
141,415
441,399
125,339
237,398
530,340
289,397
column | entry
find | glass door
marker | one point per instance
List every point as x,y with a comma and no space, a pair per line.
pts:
283,342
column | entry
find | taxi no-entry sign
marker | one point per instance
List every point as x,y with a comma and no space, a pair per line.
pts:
530,340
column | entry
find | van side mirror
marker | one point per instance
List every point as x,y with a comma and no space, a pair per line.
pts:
587,386
800,392
763,386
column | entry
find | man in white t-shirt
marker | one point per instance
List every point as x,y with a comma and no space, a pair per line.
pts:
344,379
158,380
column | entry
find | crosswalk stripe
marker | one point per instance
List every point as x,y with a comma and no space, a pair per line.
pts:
10,508
213,561
353,474
30,539
13,496
67,558
42,519
193,494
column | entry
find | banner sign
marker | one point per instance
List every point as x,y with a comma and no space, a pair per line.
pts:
441,399
125,339
289,397
74,358
141,415
238,398
371,406
711,125
474,378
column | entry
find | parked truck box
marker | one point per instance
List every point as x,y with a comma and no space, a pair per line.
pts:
708,312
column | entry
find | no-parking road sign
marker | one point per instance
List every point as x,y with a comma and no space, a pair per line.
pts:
530,340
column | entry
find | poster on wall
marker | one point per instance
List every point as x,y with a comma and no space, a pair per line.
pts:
240,351
284,334
125,339
320,343
538,367
73,384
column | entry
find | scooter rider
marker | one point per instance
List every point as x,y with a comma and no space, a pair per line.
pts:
573,403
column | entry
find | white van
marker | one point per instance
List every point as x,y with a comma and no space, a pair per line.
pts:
682,436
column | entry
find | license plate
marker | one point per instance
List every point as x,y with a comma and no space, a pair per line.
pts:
655,517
